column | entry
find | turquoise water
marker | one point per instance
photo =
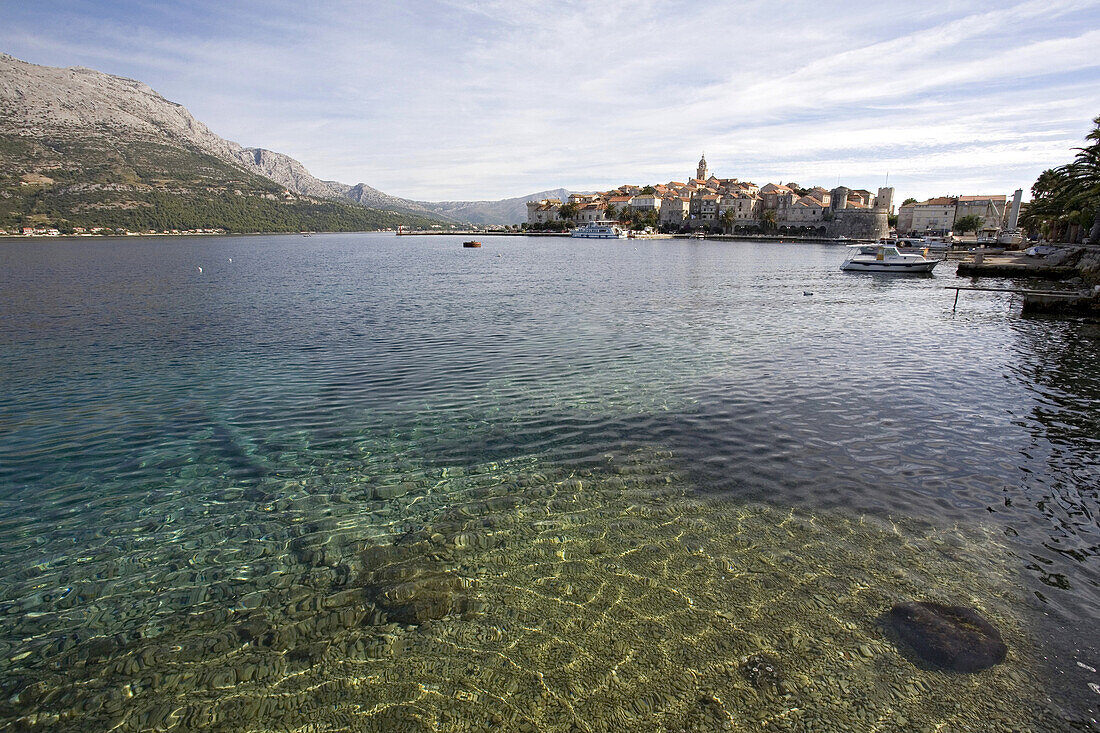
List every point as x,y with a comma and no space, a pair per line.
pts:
377,483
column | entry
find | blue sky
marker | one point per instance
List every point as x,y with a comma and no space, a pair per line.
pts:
447,99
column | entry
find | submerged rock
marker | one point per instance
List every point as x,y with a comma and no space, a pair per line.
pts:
763,672
951,637
410,587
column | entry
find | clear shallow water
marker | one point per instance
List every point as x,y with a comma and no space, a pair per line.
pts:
379,483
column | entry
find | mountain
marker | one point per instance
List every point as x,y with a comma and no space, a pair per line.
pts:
505,211
77,143
83,148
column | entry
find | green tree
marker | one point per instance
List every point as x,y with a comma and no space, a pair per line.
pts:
769,220
1069,194
908,201
649,189
968,223
567,212
727,219
611,212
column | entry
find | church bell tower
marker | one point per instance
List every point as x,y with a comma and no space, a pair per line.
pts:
701,172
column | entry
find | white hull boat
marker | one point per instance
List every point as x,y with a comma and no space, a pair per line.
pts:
885,258
598,230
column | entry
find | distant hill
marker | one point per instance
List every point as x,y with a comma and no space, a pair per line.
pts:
506,211
82,147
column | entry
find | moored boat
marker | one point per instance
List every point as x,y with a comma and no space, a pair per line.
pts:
598,230
471,243
884,258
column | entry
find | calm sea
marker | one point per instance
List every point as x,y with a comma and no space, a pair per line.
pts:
356,481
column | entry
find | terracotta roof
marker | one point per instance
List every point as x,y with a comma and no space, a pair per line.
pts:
941,201
619,199
999,199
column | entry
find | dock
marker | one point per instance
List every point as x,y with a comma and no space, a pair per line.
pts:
1043,301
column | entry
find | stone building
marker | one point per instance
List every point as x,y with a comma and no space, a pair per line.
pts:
991,209
707,201
540,212
938,215
675,210
935,216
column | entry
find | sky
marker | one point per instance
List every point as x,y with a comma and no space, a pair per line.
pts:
463,100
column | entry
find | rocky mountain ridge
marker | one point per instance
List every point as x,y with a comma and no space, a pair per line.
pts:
43,102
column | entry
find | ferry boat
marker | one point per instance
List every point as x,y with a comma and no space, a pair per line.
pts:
884,258
598,230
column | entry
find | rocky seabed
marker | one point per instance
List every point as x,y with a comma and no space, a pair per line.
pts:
388,595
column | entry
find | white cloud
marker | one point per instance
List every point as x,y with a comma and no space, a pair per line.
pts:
461,99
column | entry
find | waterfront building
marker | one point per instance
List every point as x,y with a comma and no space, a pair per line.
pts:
646,202
545,210
707,200
991,209
591,211
619,202
675,210
938,215
704,208
807,211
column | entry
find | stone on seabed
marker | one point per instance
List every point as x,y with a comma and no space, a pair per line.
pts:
951,637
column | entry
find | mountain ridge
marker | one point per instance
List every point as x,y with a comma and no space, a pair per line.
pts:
44,102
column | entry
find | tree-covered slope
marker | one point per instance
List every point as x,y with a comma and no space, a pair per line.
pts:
100,180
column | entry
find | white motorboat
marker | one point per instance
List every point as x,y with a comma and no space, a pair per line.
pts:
885,258
599,230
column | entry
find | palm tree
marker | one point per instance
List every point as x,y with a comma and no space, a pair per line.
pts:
1084,172
1069,194
728,217
768,220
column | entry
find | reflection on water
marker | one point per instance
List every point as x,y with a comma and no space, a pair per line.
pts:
389,484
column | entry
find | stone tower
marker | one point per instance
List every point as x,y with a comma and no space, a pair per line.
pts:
701,171
885,199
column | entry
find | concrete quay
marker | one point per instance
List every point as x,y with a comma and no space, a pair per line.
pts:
1066,263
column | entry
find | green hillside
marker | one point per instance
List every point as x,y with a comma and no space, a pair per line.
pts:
98,181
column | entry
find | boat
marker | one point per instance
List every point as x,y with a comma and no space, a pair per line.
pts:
472,243
884,258
598,230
